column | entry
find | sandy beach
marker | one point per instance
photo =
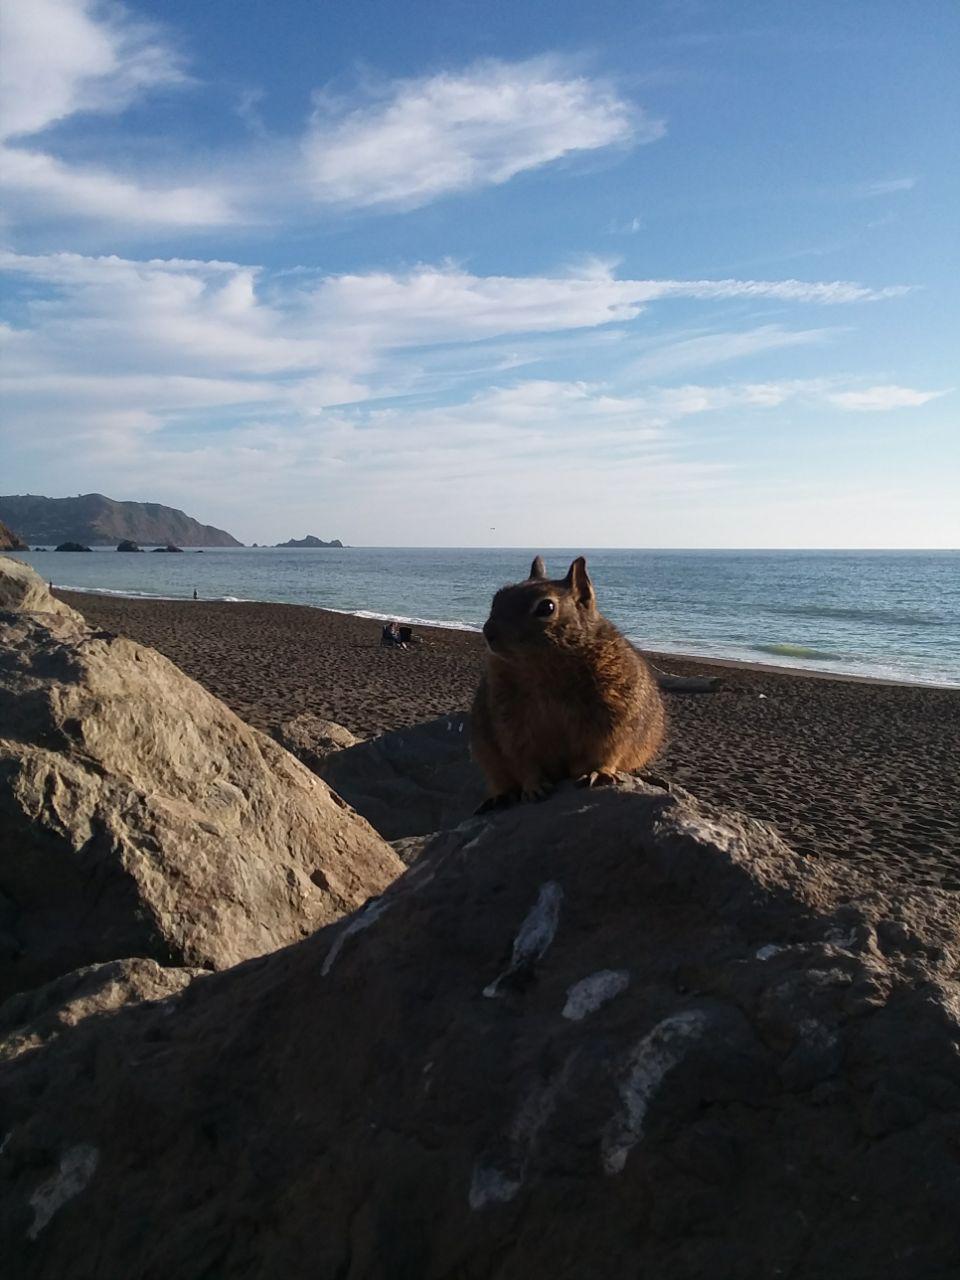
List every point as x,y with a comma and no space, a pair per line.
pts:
857,770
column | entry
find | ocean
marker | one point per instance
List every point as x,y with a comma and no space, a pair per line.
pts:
889,614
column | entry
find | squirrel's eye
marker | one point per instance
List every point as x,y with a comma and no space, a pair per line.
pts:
545,608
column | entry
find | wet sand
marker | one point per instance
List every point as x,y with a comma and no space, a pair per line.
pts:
862,771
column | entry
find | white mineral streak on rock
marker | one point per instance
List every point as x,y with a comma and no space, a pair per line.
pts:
651,1059
769,951
77,1167
366,917
590,993
490,1186
535,935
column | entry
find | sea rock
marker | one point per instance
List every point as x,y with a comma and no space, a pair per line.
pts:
607,1035
311,540
72,546
312,739
169,547
140,817
412,781
127,545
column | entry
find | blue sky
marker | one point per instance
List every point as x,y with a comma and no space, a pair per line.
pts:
617,274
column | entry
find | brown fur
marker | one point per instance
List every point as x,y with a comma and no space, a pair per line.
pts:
564,695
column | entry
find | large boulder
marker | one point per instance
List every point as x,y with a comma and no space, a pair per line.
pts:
411,781
140,817
608,1035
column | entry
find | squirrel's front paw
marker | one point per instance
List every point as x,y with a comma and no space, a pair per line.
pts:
598,778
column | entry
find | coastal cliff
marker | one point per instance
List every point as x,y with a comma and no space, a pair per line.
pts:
9,540
96,520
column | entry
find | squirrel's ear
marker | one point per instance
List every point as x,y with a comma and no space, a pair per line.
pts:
578,581
538,569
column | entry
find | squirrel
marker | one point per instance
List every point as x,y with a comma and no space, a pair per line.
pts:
563,693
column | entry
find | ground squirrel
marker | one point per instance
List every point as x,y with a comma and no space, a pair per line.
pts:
563,695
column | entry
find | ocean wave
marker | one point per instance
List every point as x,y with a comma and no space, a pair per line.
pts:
445,624
797,651
132,594
113,591
847,613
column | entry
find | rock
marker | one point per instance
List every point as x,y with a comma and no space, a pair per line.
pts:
36,1017
169,547
140,817
412,781
72,546
310,541
22,590
554,1047
126,545
9,541
312,739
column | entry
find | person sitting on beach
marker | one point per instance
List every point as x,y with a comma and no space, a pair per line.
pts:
390,636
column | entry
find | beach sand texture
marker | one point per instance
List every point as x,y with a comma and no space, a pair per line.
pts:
855,770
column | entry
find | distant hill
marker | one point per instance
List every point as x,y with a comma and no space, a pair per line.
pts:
91,518
310,541
9,540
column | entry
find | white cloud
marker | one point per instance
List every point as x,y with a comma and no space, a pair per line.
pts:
886,187
41,187
328,340
874,399
412,141
62,57
58,57
455,131
707,349
187,371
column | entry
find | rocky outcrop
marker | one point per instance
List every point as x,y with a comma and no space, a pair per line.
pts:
72,546
127,545
410,782
169,547
310,541
312,739
140,817
36,1017
9,541
610,1034
103,521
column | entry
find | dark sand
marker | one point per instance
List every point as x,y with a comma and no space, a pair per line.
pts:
866,772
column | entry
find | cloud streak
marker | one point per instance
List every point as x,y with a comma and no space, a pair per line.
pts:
882,398
454,132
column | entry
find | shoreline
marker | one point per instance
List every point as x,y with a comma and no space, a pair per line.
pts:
424,625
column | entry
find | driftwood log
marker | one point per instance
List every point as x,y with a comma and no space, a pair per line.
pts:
686,684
